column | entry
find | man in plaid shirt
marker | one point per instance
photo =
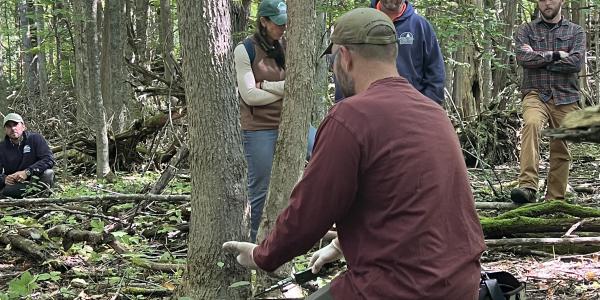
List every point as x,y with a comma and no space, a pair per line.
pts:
551,51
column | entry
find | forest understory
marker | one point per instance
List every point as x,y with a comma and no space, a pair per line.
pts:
114,247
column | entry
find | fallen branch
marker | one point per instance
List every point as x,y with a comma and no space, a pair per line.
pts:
154,292
161,267
96,199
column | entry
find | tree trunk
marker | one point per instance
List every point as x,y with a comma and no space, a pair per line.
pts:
82,65
240,14
218,199
141,24
509,18
97,105
41,54
29,64
3,83
290,152
320,102
57,17
166,38
467,83
113,69
579,16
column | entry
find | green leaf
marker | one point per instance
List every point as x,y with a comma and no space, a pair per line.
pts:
239,284
220,264
23,285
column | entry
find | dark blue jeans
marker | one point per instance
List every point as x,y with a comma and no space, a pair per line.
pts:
259,149
37,186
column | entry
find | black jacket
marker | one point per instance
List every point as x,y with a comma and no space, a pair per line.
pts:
32,153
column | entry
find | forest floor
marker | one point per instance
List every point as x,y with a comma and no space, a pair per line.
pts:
146,264
548,274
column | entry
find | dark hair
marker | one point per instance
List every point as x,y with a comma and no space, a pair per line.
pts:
275,50
386,53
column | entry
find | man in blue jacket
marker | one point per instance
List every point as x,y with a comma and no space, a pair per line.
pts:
26,161
419,58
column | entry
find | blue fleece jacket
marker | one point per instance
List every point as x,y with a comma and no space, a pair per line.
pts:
32,153
419,59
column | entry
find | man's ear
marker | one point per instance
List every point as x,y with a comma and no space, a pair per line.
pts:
346,59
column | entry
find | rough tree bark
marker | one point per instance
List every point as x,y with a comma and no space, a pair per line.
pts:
165,38
141,24
41,54
290,151
217,162
82,80
29,66
113,69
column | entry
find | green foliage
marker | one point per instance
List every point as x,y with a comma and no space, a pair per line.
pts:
97,225
22,285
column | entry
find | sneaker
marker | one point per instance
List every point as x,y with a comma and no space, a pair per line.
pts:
522,195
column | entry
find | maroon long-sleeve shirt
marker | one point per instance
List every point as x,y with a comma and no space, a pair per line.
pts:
387,168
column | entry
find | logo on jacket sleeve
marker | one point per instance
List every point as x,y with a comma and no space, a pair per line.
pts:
26,149
406,38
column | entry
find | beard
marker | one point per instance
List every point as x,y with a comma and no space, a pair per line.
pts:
344,80
550,14
392,5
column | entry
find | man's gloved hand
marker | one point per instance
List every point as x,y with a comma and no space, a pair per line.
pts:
563,54
243,251
327,254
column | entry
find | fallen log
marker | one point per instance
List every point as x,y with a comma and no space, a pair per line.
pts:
542,241
579,126
551,208
96,199
497,228
496,205
25,245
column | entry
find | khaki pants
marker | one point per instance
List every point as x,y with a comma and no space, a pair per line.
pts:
536,114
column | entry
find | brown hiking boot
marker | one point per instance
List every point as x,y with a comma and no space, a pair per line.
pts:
523,195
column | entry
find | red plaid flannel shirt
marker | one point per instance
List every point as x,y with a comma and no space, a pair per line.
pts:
543,70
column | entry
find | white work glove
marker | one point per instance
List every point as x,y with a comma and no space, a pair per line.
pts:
563,54
327,254
243,252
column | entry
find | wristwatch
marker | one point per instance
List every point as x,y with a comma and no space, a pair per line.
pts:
28,173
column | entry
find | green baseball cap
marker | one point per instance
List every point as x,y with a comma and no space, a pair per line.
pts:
13,117
276,10
355,26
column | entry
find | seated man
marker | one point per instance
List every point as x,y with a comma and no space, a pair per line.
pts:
26,161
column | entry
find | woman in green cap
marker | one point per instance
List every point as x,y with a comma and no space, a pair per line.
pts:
260,72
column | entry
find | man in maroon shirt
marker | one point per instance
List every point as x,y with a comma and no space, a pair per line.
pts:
387,169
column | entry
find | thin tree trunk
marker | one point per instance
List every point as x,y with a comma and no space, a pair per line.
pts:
166,38
141,26
113,69
29,64
218,198
41,54
290,152
320,102
91,34
240,14
82,82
